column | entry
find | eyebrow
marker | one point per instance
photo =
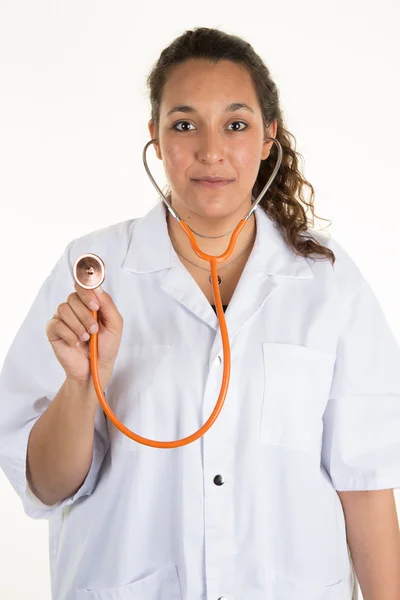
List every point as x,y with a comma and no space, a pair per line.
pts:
230,108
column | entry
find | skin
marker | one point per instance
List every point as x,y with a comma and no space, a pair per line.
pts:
373,535
211,142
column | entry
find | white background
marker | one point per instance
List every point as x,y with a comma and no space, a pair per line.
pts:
73,123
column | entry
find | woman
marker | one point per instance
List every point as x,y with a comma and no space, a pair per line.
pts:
304,454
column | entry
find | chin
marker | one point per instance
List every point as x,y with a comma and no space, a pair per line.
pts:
209,204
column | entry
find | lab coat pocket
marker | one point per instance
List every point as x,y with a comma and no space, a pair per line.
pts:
162,584
296,390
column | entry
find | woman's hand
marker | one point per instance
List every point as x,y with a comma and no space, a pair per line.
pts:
71,326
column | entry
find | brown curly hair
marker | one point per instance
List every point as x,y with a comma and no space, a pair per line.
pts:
284,198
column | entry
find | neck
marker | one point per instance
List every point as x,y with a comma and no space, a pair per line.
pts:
211,227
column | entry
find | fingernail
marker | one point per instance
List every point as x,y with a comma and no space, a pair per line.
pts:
99,290
93,306
94,328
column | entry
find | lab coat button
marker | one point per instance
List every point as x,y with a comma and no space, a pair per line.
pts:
217,361
219,480
222,598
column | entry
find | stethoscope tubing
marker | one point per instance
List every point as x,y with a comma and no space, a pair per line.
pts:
214,261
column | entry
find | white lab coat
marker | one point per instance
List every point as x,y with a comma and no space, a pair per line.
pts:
313,406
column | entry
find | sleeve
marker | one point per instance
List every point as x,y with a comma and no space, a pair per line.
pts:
361,422
30,379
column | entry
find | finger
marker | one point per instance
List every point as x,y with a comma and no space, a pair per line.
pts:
58,330
78,317
110,316
88,297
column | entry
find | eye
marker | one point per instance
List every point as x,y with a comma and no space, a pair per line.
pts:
242,122
175,125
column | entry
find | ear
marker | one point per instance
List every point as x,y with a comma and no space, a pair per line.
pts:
153,135
267,145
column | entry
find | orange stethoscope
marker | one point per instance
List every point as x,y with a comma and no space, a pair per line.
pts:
89,272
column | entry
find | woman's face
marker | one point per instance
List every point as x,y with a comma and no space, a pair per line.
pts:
205,131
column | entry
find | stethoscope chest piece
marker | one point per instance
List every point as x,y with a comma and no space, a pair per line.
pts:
89,271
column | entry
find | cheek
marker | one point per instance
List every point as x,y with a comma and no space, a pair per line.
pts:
176,160
247,160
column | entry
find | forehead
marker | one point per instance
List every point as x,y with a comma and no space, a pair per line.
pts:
201,82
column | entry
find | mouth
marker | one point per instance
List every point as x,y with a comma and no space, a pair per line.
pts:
212,182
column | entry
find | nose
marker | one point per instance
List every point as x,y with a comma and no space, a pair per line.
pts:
211,147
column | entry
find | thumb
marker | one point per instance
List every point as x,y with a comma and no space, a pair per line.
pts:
108,313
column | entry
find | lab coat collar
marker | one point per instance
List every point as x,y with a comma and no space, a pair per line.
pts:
270,262
151,250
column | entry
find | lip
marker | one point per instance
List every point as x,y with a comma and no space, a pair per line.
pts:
212,182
